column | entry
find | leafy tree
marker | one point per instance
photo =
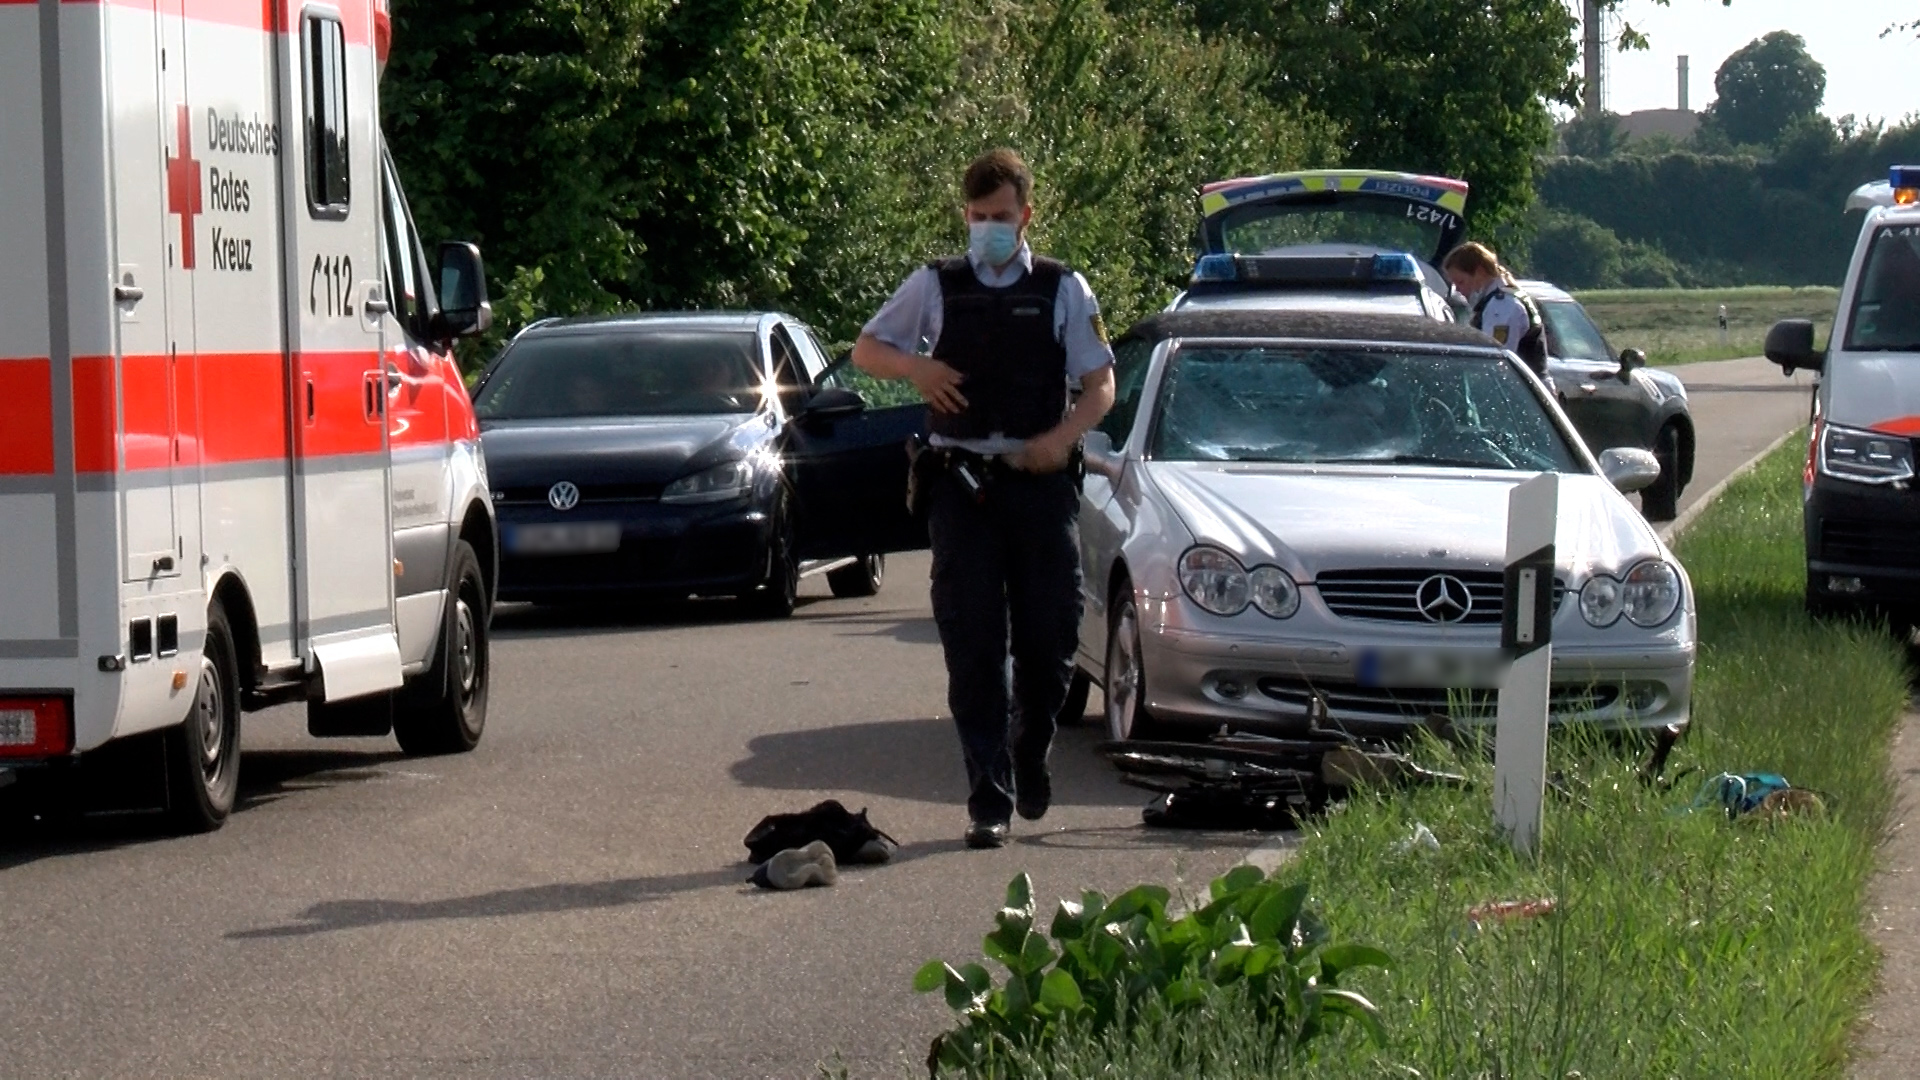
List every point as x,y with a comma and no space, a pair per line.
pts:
1594,136
1575,252
1765,87
1424,85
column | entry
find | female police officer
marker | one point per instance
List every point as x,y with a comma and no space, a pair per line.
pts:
1500,309
1007,329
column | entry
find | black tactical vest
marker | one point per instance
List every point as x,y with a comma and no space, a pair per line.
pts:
1002,340
1532,346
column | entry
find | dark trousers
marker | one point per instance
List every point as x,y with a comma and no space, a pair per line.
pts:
1006,596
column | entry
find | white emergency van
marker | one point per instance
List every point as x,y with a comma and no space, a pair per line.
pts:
1861,508
238,466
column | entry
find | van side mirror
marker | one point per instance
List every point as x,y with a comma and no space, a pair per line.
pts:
1630,359
1790,344
464,308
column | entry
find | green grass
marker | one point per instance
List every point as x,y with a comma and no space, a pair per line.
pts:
1684,944
1678,326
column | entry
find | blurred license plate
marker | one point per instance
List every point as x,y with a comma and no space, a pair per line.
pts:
1477,669
572,538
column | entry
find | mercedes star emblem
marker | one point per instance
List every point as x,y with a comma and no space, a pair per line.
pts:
1443,598
564,496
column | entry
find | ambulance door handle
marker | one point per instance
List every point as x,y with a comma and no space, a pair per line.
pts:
163,564
309,399
375,306
129,294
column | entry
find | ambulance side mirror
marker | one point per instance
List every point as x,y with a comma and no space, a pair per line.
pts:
464,308
1790,344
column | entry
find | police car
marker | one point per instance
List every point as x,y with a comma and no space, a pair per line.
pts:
1862,514
1352,240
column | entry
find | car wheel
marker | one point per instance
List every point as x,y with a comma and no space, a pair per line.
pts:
862,578
1126,684
445,710
203,754
1073,711
777,594
1660,500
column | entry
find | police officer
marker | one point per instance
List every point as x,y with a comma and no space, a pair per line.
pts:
1007,330
1500,309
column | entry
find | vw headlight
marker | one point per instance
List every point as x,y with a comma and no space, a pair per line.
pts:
1274,592
1601,600
729,480
1215,580
1865,457
1650,593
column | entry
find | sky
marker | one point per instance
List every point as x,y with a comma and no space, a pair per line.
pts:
1866,75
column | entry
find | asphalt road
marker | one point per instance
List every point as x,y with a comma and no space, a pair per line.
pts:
569,899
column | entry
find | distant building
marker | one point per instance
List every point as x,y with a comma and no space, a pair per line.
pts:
1676,124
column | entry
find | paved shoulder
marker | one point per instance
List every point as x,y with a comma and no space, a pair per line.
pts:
1739,408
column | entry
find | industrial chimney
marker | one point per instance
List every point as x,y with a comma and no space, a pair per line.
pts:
1592,45
1683,84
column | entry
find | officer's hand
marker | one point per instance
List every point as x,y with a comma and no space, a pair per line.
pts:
1042,454
939,384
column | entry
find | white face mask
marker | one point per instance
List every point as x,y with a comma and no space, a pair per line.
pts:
992,242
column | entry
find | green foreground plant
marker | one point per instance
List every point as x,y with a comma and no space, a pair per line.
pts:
1112,963
1679,943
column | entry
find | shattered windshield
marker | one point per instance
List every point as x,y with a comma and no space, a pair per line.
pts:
1886,306
1353,406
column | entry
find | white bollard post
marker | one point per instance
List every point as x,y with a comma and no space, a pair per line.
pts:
1526,627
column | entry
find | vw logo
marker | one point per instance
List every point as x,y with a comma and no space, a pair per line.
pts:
1443,598
565,496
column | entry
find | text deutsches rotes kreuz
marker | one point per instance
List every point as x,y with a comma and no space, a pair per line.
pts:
228,190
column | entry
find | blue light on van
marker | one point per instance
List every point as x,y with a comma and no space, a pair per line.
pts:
1398,267
1904,176
1216,268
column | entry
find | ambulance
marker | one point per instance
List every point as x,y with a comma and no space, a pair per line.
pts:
1861,508
238,467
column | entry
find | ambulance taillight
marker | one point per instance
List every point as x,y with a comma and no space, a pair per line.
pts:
35,727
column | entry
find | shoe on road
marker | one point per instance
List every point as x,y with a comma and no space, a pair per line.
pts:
798,868
987,834
1033,789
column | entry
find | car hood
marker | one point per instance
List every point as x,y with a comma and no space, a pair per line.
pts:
1874,390
1310,520
645,450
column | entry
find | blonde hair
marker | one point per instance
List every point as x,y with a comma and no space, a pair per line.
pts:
1476,258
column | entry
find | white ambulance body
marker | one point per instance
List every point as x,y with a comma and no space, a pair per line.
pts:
237,463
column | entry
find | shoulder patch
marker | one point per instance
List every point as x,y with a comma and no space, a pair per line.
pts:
1500,334
1099,327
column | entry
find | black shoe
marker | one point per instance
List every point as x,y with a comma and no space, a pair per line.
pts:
987,834
1033,792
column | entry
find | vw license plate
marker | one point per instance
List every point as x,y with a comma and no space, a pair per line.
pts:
1463,669
571,538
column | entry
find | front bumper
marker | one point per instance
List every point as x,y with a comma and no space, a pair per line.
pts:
665,550
1862,539
1204,676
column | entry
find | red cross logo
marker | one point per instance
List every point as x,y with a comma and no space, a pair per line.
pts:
183,188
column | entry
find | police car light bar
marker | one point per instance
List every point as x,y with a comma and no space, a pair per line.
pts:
1342,270
1905,181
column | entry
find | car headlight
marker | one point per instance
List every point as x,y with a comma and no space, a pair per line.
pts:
1215,580
728,480
1274,592
1865,457
1650,593
1601,600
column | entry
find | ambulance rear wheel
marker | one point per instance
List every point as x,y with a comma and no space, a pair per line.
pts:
203,755
445,711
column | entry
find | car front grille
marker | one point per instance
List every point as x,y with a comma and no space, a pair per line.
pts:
1870,543
589,494
1416,703
1394,595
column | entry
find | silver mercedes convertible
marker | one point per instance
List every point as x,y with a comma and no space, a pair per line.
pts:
1294,511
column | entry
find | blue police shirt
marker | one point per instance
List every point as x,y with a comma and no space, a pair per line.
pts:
912,318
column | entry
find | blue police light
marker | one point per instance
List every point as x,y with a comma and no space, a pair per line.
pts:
1216,268
1905,181
1398,267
